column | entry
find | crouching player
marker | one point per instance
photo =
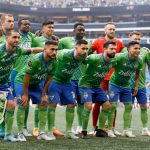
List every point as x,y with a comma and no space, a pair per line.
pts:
32,82
98,65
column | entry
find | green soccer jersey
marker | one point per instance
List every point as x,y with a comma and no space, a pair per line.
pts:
96,70
124,68
7,61
38,68
66,66
2,39
69,43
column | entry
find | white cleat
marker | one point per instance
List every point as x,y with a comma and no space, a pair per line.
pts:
145,132
26,132
116,132
128,133
51,135
78,130
93,131
43,136
71,135
111,133
21,137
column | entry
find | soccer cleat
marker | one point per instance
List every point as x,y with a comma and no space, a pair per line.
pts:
145,132
51,135
11,138
101,133
2,133
128,133
35,132
57,132
26,132
93,131
116,132
111,133
78,130
84,135
43,136
21,137
71,135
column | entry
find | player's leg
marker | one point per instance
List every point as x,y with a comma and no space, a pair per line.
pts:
36,121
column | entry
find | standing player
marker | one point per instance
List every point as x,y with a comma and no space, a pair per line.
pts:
29,84
141,95
61,89
98,65
125,65
97,46
69,43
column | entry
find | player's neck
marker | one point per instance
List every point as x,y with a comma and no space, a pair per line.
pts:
47,36
131,57
106,58
46,58
76,56
9,48
107,38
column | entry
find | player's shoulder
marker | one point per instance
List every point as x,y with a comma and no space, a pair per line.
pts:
64,39
101,39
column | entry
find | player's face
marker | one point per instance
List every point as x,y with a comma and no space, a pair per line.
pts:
48,29
111,51
79,32
82,50
51,51
134,51
8,23
13,39
25,26
135,37
110,31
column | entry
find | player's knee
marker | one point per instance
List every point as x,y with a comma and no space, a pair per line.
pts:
88,106
10,105
71,105
106,105
142,106
53,105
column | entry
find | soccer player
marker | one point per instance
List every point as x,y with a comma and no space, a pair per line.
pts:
98,65
47,34
9,52
29,84
69,43
141,94
97,46
61,89
125,65
7,23
26,42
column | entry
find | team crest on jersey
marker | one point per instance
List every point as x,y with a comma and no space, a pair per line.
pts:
51,96
112,94
85,95
73,94
30,63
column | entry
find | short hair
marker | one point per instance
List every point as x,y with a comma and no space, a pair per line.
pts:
109,23
20,21
47,22
134,33
106,44
51,42
132,43
9,32
78,24
4,16
79,42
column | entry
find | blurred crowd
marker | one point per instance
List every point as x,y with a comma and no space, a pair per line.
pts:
75,3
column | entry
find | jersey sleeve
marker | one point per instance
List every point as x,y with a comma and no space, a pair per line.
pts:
60,45
89,59
94,46
31,66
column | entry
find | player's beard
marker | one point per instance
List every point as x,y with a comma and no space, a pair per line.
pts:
112,55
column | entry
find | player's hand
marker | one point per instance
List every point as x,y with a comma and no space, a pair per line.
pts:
44,100
24,100
135,91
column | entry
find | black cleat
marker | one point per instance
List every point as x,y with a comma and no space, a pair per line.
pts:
101,133
84,135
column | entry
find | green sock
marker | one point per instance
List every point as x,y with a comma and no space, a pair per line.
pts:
9,117
102,118
144,117
36,120
111,115
69,118
51,118
85,118
80,108
2,126
42,116
26,116
20,118
127,116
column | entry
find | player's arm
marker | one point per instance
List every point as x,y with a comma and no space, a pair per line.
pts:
25,86
36,50
137,79
47,83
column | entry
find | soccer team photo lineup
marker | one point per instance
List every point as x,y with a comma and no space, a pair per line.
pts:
89,78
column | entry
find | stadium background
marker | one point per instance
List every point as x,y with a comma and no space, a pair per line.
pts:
127,15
